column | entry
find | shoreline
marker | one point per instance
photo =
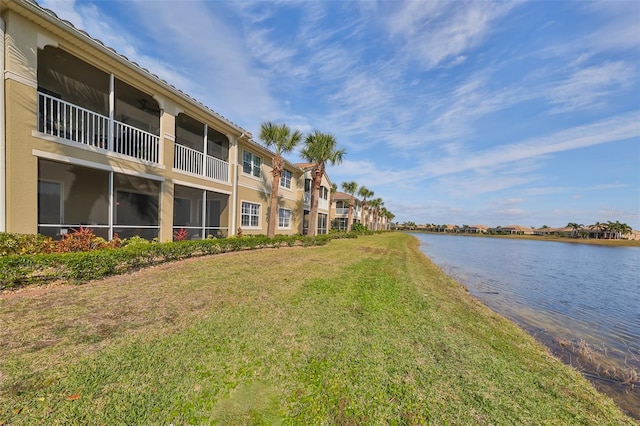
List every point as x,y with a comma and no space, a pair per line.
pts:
607,375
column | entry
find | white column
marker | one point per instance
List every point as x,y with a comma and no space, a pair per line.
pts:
112,107
3,140
204,213
204,153
234,155
111,205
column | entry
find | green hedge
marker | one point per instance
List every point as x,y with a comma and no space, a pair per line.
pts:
20,269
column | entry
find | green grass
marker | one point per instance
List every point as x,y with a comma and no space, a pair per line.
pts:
364,331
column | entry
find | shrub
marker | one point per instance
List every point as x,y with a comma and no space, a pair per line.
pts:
83,239
21,269
133,241
24,244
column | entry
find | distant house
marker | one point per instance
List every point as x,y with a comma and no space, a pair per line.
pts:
517,230
477,229
451,228
565,231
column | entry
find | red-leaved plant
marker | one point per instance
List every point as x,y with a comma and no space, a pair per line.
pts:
181,234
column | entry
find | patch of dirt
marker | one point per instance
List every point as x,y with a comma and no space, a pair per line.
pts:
34,290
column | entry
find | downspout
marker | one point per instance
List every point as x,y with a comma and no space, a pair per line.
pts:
3,137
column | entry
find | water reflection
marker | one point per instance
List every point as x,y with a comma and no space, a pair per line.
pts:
582,301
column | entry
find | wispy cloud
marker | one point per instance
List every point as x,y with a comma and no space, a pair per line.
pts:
589,87
614,129
434,32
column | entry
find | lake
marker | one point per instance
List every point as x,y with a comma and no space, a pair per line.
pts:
582,301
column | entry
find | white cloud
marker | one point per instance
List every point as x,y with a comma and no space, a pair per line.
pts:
434,32
614,129
588,88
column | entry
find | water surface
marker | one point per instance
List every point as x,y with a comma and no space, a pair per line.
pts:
570,296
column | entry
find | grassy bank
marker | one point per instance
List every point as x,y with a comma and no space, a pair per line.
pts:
364,331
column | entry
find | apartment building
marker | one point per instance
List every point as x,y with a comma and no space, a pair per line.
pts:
323,199
340,210
89,138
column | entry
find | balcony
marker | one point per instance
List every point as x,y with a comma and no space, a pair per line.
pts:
195,162
71,122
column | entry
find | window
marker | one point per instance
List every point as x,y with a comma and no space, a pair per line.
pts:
324,193
250,215
135,208
284,218
322,223
285,179
307,185
49,202
339,223
251,164
181,211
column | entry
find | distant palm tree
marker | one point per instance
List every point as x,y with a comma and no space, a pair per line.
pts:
599,227
618,229
625,229
350,188
283,140
390,217
332,191
365,193
318,149
574,226
375,206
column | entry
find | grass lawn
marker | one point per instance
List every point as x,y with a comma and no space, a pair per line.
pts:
364,331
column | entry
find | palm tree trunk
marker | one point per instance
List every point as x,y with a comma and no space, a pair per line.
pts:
313,214
273,209
350,217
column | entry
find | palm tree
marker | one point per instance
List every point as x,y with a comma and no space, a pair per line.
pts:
599,227
625,229
375,206
575,227
318,149
283,140
365,193
350,188
390,217
332,190
617,229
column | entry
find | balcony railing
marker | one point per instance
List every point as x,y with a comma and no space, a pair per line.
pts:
67,121
71,122
322,203
191,161
136,143
342,210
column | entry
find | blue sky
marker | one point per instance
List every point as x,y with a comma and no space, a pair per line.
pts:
457,112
